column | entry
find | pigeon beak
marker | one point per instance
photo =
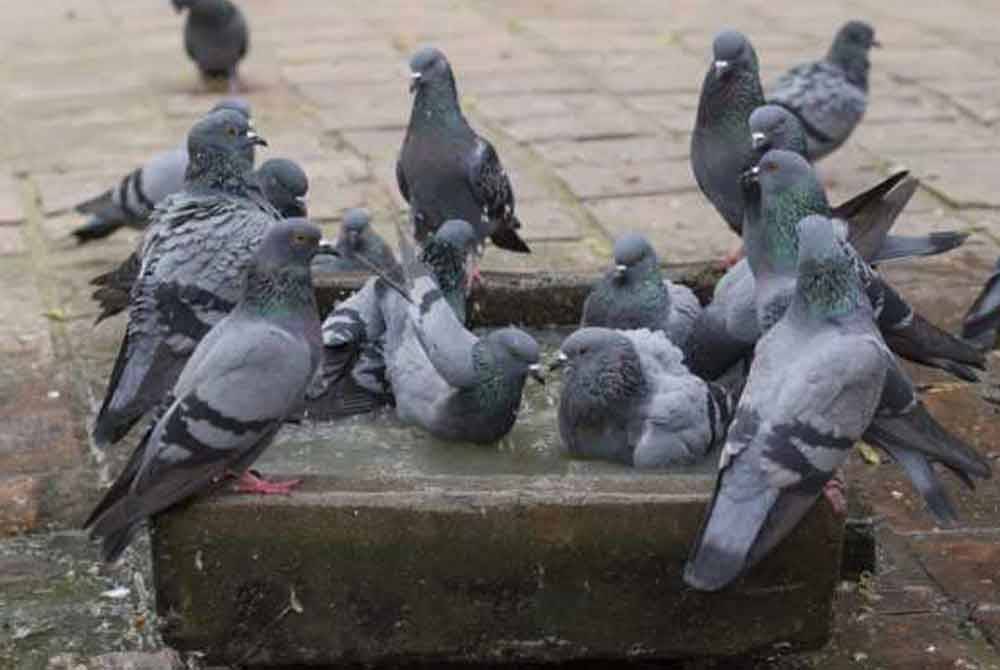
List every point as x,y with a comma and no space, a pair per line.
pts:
535,370
720,67
876,44
414,81
559,362
759,141
327,248
256,139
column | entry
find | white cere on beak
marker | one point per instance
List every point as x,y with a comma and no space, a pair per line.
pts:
720,65
562,357
251,134
415,76
755,170
535,367
758,138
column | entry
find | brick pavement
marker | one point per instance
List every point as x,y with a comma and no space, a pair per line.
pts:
590,104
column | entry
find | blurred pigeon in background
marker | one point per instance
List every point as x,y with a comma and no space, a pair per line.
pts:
356,239
635,295
829,96
285,186
132,201
246,375
445,170
216,38
628,398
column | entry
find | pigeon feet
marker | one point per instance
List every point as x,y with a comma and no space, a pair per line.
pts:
251,483
733,257
835,492
473,278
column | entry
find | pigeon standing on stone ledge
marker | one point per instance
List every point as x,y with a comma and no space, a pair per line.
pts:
356,239
445,170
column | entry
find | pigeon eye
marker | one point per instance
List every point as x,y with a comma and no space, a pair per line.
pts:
300,238
231,130
771,166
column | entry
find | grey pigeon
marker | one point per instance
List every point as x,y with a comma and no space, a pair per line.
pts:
244,377
131,202
450,255
812,391
829,96
445,170
635,295
720,145
285,186
983,318
774,127
628,398
216,38
356,239
902,426
200,243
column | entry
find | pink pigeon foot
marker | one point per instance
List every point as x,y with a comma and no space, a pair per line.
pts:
251,483
835,492
473,278
733,257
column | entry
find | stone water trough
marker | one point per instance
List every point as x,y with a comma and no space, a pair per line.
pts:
450,559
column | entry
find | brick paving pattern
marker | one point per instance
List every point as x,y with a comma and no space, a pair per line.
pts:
590,104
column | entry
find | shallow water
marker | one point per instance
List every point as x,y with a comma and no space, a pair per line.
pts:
379,445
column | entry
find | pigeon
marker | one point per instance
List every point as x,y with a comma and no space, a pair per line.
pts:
902,426
200,243
813,389
983,318
131,202
628,398
282,182
720,145
244,377
358,238
285,185
216,38
445,170
635,295
352,379
829,96
774,127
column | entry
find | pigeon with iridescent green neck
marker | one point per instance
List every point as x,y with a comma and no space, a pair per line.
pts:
634,294
445,170
244,378
812,391
720,145
829,96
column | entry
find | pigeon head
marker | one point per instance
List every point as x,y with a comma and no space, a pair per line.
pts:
850,51
289,242
433,85
789,192
217,148
459,235
732,54
774,127
518,352
285,185
827,281
449,254
353,228
279,277
601,364
633,255
429,67
236,104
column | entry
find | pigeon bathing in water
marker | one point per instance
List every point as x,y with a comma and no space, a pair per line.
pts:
635,295
812,391
628,398
245,377
983,318
216,38
829,97
131,202
357,239
445,170
285,185
720,145
195,254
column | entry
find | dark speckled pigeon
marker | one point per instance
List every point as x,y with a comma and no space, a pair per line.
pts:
720,145
627,397
358,238
243,379
983,319
635,295
285,186
196,252
829,96
812,391
131,202
445,170
216,38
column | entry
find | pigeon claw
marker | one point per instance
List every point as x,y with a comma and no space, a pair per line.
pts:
251,483
835,492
